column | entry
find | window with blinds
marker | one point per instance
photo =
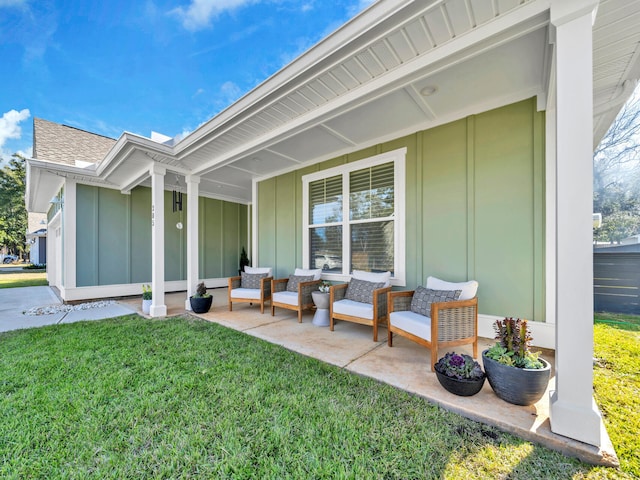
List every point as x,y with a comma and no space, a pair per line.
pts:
325,214
371,207
354,216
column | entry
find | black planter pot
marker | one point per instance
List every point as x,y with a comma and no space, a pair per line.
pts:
520,386
464,387
200,304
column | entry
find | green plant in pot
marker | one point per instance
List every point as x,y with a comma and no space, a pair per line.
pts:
201,301
460,374
147,297
516,374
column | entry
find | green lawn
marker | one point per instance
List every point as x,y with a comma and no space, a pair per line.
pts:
183,398
617,384
23,278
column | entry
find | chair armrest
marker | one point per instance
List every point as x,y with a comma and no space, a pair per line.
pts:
305,289
399,301
454,320
279,285
265,286
380,301
337,292
235,282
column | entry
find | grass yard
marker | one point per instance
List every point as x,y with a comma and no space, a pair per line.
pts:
617,384
9,278
183,398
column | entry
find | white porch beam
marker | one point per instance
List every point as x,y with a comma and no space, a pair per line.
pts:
573,411
158,307
193,187
134,180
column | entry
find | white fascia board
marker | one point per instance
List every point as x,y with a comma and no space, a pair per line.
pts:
125,146
339,40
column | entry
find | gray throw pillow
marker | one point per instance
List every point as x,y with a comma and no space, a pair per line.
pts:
252,280
424,297
294,280
361,290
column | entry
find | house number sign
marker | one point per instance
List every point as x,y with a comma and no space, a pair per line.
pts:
153,215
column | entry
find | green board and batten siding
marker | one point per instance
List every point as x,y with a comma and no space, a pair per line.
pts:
114,237
474,205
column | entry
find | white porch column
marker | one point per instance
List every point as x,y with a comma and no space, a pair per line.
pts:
573,411
158,308
192,236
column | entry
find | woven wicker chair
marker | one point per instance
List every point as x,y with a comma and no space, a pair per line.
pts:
237,294
297,301
451,324
379,312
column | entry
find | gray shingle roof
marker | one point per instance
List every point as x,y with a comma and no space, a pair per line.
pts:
64,144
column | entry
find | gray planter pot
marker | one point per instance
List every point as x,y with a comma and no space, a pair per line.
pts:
520,386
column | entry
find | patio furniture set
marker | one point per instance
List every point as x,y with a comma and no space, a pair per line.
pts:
440,314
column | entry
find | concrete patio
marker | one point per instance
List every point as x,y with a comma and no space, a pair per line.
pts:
405,366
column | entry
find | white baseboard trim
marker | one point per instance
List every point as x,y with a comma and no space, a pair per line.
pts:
129,289
544,334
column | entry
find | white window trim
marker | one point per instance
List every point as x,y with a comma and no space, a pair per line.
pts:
398,157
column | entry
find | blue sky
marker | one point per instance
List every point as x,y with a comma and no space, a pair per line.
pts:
161,65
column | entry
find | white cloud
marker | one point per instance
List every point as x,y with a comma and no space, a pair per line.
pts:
9,124
199,13
230,92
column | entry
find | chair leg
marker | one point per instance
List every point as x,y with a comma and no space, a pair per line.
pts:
300,316
375,331
390,338
230,307
273,310
331,323
475,348
434,354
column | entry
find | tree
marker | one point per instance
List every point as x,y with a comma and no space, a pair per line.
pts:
616,176
13,214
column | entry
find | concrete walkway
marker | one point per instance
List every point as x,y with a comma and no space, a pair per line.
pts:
15,301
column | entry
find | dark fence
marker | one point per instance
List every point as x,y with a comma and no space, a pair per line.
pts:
616,282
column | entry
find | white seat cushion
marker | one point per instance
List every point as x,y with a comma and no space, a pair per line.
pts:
290,298
412,322
301,272
354,309
259,270
384,277
253,293
469,289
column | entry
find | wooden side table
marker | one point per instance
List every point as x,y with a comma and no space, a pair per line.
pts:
321,317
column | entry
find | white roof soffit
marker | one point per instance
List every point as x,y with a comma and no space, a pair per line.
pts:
384,50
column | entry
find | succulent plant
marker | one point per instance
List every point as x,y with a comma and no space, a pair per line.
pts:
201,291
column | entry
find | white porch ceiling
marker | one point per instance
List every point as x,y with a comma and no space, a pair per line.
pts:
364,84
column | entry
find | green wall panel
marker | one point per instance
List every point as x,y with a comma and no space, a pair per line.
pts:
140,235
474,207
442,211
175,239
86,235
504,224
114,237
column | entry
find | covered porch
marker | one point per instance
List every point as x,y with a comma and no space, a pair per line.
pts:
404,366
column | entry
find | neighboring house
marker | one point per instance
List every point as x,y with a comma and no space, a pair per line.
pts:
37,237
448,138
